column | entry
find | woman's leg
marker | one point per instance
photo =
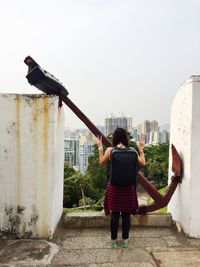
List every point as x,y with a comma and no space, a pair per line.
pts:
125,224
114,223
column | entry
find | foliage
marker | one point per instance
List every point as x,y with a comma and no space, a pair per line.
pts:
86,201
93,183
156,167
72,191
73,181
97,174
68,170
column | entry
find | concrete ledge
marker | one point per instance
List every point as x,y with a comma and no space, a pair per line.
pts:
152,219
98,219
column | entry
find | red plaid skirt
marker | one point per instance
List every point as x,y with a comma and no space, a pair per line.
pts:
120,199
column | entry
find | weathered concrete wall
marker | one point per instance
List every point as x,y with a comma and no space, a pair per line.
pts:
185,135
31,165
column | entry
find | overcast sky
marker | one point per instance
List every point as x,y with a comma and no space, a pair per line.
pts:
113,56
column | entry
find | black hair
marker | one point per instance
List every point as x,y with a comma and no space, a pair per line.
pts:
120,136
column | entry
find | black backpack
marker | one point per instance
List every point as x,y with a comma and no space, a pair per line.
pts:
123,166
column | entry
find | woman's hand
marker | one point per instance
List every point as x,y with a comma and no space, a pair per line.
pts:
99,142
141,157
103,157
141,143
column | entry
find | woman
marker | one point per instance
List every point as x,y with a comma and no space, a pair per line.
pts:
120,199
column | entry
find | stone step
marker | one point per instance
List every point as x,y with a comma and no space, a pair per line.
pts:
98,219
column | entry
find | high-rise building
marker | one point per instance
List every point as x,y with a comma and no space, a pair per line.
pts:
154,138
71,150
164,136
83,132
85,150
139,129
144,130
112,122
154,126
150,131
144,127
67,132
135,134
129,124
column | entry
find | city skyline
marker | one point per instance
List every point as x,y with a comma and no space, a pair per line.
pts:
78,144
73,122
84,130
165,126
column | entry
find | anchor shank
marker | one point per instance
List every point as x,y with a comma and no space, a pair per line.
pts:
85,119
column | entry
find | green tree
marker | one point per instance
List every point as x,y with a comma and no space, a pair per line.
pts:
68,170
156,167
97,174
71,188
75,186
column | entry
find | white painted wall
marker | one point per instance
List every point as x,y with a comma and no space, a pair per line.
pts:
185,135
31,165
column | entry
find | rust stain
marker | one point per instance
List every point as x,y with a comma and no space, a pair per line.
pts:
18,150
40,113
45,129
35,120
45,136
59,116
36,147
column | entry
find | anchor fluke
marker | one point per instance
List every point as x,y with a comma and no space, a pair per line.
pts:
176,162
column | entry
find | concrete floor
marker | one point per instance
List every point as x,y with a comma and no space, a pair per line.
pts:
90,247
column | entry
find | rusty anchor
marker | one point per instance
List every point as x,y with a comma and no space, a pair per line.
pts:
45,81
